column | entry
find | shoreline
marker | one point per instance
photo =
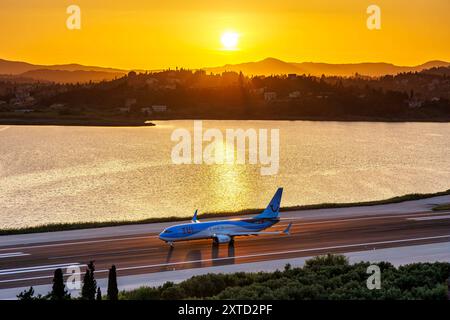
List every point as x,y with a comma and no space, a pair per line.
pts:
90,225
149,122
314,119
76,122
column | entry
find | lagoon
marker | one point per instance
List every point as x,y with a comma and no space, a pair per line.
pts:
66,174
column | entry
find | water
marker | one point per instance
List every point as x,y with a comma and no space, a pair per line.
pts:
72,174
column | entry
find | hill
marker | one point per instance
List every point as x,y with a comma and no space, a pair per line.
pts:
65,76
18,67
272,66
73,73
62,73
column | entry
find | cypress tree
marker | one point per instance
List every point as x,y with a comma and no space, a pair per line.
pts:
99,294
113,291
89,284
59,291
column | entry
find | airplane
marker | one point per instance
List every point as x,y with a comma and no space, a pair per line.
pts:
224,231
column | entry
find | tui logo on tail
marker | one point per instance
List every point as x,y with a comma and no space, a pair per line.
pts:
273,209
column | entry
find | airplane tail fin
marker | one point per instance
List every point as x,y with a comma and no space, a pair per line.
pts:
273,209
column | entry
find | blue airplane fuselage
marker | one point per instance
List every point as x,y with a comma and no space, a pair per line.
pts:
215,229
223,231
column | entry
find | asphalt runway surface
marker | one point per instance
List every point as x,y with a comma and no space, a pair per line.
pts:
141,253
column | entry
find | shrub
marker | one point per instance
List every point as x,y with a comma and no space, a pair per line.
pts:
324,277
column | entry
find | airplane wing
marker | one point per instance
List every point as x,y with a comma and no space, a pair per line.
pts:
286,231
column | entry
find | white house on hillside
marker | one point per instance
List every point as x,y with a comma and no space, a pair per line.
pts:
159,108
269,96
147,110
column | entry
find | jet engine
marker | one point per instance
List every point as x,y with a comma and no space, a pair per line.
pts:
221,238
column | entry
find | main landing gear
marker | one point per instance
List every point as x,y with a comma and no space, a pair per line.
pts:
216,241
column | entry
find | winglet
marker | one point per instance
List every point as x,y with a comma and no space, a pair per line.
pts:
194,218
288,229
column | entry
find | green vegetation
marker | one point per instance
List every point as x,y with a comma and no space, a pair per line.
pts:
442,207
94,224
198,94
28,295
67,119
321,278
59,291
98,297
113,291
89,288
325,277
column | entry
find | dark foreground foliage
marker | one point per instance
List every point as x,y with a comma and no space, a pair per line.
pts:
325,277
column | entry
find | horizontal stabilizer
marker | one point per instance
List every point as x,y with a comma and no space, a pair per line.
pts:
288,229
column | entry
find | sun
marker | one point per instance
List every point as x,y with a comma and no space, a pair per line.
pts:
229,40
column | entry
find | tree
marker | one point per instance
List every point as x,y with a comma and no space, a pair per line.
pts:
99,294
89,284
113,291
58,289
173,293
26,294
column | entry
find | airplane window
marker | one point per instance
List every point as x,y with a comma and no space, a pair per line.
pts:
168,231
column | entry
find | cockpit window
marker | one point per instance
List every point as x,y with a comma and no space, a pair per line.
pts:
167,231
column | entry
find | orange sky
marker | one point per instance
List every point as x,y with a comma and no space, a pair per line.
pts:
148,34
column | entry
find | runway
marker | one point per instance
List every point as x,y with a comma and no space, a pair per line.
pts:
141,252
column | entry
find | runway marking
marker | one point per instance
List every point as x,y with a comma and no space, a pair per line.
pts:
103,254
26,279
247,256
37,268
13,254
430,218
155,236
78,242
287,252
357,219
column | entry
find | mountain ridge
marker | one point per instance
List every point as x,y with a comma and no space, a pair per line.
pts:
272,66
11,67
73,72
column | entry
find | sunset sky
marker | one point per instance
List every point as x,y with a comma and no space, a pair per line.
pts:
148,34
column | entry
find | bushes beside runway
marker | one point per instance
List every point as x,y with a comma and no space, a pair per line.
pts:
442,207
326,277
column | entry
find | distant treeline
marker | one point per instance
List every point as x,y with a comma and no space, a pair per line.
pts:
189,94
